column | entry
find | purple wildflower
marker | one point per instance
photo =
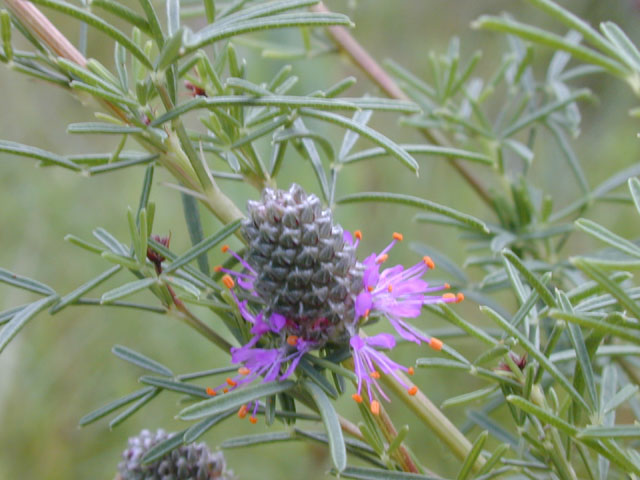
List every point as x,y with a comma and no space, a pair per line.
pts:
304,290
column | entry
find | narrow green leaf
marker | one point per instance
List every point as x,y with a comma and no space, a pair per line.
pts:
207,373
180,387
620,397
37,153
126,262
388,145
308,149
233,400
21,318
134,408
493,460
438,362
5,30
538,286
25,283
619,431
332,424
436,150
96,22
597,324
154,23
634,188
616,241
474,453
196,431
123,12
258,439
544,415
161,449
112,406
170,51
204,246
361,473
318,378
140,360
102,128
577,339
127,289
546,110
472,330
535,353
609,285
542,37
415,202
194,226
7,315
217,31
81,290
99,93
468,397
623,46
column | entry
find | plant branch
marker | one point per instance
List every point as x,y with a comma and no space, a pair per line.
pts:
363,60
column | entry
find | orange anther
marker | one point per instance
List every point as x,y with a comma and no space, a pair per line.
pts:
411,371
390,288
228,281
382,258
225,248
244,371
366,313
429,262
225,390
370,288
412,391
459,297
230,382
448,296
217,268
447,286
357,397
397,236
375,374
242,412
358,234
375,407
253,419
211,392
292,340
436,343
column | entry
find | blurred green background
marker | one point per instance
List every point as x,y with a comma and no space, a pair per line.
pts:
60,368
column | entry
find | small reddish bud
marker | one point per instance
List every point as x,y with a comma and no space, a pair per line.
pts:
195,90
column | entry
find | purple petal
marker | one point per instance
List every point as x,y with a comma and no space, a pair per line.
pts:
382,340
363,303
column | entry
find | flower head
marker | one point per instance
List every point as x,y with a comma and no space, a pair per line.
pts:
303,290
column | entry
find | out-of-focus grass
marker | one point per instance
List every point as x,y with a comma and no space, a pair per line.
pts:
59,368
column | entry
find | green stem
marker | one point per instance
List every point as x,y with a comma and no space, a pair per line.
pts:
433,418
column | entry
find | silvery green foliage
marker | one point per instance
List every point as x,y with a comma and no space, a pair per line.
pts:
188,462
306,270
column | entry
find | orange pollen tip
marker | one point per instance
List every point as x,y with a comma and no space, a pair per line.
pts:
436,344
398,236
244,371
292,340
370,288
230,382
358,234
459,297
448,296
225,248
211,392
225,390
366,313
412,391
375,407
253,419
446,286
375,374
242,412
411,371
429,262
228,281
382,258
357,397
217,268
390,288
